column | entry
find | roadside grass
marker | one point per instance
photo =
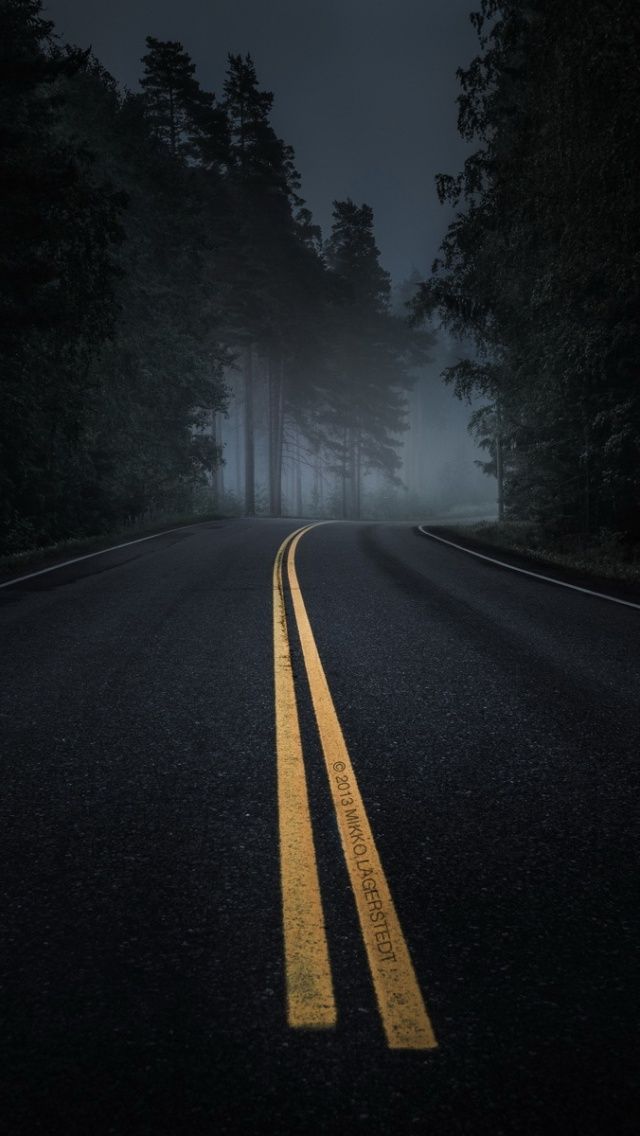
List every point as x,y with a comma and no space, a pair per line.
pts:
607,558
14,562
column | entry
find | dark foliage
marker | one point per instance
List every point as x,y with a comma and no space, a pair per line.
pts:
541,263
151,246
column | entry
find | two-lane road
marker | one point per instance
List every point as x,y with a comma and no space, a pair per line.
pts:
330,835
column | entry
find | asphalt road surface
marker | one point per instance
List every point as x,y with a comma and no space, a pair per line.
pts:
196,925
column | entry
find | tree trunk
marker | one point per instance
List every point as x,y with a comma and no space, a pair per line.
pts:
344,474
298,478
218,469
356,480
318,495
587,480
352,466
238,443
499,464
249,449
276,432
172,123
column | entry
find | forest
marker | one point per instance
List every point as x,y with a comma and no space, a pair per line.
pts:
159,269
540,265
156,257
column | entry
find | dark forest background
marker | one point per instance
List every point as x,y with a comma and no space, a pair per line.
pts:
540,267
152,244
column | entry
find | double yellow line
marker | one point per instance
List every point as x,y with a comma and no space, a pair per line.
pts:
310,996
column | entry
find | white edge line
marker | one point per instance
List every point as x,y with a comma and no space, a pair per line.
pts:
526,572
100,552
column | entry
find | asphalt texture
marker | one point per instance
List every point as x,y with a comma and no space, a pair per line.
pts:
493,722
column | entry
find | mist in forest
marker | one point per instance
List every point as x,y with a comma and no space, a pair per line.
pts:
212,338
440,464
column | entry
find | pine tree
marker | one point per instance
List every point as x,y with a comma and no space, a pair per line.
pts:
272,247
353,256
364,405
158,380
182,116
59,225
552,104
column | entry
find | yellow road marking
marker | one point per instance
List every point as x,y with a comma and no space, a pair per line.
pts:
310,1000
404,1015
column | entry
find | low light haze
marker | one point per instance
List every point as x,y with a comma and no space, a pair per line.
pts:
319,684
365,91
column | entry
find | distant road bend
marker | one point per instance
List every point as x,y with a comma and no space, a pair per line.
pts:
317,828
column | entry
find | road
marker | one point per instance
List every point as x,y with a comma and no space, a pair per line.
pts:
179,955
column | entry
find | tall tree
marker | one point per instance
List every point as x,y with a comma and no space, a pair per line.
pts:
182,116
364,406
59,226
553,105
272,254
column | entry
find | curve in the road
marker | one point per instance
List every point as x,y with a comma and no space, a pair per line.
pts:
404,1015
526,571
310,998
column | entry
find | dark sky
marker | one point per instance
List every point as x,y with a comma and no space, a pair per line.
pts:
365,91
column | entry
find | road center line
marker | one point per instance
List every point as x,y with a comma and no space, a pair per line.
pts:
310,999
404,1015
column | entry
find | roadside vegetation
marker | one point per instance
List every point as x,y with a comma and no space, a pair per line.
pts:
616,559
157,262
29,559
156,255
540,272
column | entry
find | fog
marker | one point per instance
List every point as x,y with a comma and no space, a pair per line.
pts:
438,476
366,95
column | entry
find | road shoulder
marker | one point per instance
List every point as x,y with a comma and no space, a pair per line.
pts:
529,562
